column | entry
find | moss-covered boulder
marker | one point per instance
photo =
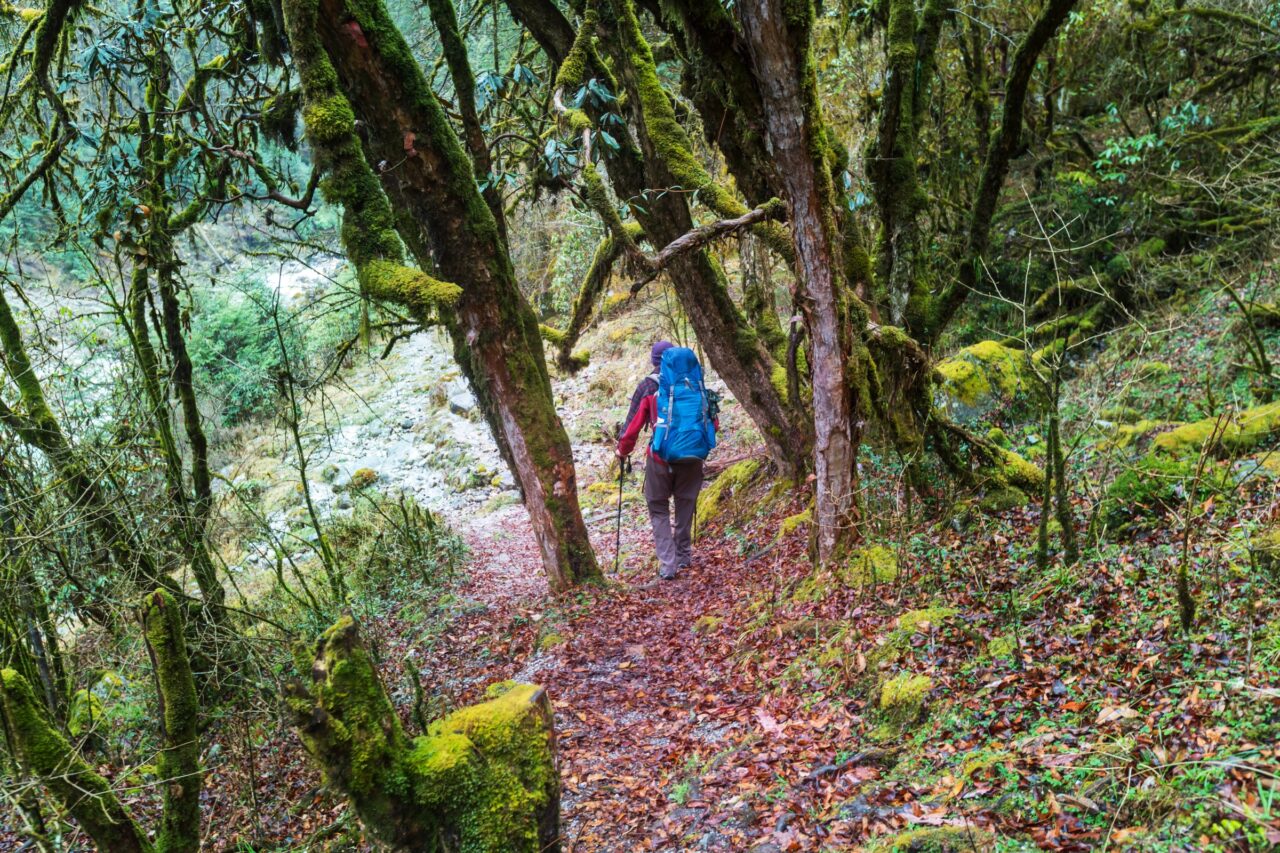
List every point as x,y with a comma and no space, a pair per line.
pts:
1231,436
1153,485
1265,548
982,378
938,839
871,565
904,698
792,523
868,566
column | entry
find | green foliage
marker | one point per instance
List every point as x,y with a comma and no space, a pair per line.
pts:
394,547
235,350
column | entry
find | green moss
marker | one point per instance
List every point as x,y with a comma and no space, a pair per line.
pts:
986,373
997,436
1002,499
914,620
707,624
1153,370
179,760
329,120
1012,470
1001,647
778,379
85,715
903,698
490,766
1155,485
550,641
730,482
939,839
1240,433
794,522
406,286
363,478
46,755
871,565
1131,434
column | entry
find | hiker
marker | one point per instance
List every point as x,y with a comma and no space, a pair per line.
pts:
675,404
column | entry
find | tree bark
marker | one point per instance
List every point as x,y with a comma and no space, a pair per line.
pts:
44,753
483,778
779,46
496,337
734,349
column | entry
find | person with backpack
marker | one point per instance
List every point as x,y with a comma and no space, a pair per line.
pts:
674,402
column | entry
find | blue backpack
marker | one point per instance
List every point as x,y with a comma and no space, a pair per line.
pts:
685,429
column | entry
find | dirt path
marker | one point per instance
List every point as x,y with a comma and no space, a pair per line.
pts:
665,741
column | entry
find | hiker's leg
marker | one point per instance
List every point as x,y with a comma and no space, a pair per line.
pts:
657,493
688,482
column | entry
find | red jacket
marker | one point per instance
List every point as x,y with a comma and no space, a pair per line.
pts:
646,416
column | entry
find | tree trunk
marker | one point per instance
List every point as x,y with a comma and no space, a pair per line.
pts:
996,167
44,753
495,334
179,763
779,47
483,778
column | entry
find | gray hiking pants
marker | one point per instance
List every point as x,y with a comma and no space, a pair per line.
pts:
663,482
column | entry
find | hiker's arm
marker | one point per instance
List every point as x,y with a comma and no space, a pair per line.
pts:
627,441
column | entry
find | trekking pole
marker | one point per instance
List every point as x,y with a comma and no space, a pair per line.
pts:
624,462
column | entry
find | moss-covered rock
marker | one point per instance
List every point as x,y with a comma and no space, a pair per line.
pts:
865,567
1155,484
903,698
731,481
999,438
939,839
1001,647
362,478
871,565
983,377
1240,433
914,620
706,624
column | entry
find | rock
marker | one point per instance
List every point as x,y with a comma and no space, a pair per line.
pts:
329,473
342,502
407,423
983,378
904,697
462,403
362,479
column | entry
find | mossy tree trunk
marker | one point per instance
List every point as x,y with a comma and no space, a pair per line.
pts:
47,756
496,337
179,762
482,779
1000,152
891,160
50,759
778,36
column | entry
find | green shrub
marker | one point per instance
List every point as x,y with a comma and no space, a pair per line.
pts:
1154,485
391,546
235,349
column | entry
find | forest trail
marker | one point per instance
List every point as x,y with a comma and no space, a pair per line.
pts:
665,740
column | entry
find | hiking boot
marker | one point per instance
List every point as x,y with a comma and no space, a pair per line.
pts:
667,577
